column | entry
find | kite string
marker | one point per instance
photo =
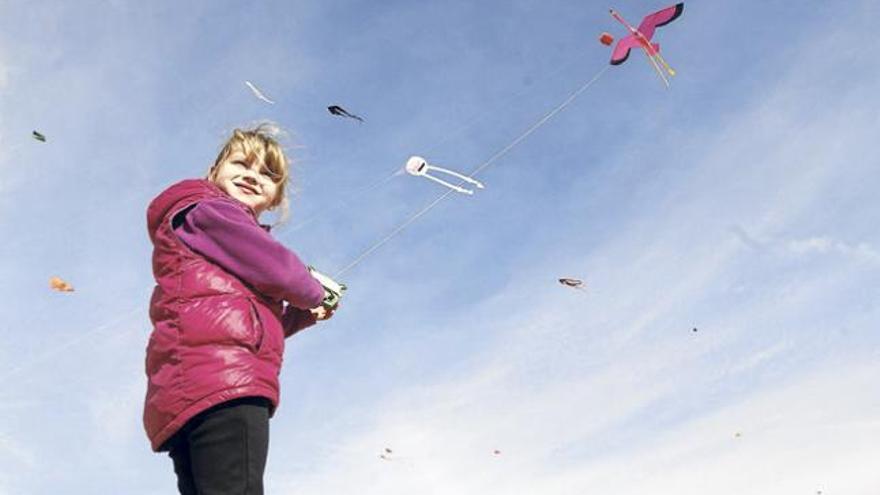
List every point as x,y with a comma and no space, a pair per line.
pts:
486,164
345,202
477,116
541,122
480,114
393,233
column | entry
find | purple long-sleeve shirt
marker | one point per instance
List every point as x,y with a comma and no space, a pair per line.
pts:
222,232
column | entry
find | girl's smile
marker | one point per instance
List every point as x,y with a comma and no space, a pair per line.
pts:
246,188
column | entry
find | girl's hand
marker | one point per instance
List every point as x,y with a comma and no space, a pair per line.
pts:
322,313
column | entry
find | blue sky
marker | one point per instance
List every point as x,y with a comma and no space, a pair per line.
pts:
740,201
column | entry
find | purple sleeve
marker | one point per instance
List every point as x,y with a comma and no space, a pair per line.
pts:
296,319
228,236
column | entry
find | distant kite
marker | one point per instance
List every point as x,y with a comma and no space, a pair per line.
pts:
337,110
418,167
641,38
259,94
55,283
39,137
572,282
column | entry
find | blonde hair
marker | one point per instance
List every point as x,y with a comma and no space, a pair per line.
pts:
261,142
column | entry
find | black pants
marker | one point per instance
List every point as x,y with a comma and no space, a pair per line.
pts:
222,451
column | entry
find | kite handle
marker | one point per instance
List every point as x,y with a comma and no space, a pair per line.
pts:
332,289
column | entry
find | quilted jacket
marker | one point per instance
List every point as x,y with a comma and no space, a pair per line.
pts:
214,338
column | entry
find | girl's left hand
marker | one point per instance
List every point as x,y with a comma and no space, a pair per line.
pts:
323,313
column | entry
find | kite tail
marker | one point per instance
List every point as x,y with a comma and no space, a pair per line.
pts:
652,57
654,54
666,66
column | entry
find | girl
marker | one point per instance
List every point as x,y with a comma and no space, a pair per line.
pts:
226,296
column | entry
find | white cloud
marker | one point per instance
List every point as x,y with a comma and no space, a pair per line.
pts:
760,357
810,246
826,245
813,433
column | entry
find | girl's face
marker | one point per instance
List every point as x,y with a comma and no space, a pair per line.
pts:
250,182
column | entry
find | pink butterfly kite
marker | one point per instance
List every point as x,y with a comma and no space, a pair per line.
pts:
641,38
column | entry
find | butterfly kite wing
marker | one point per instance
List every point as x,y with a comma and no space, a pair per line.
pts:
660,18
622,49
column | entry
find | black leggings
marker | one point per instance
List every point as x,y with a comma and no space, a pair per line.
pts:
222,451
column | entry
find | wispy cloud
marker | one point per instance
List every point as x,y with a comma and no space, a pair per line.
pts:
826,245
813,433
810,246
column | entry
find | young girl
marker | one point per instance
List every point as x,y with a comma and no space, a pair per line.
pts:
226,296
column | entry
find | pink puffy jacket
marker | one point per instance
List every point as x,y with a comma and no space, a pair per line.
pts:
214,339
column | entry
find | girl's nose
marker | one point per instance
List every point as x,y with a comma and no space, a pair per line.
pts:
250,176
